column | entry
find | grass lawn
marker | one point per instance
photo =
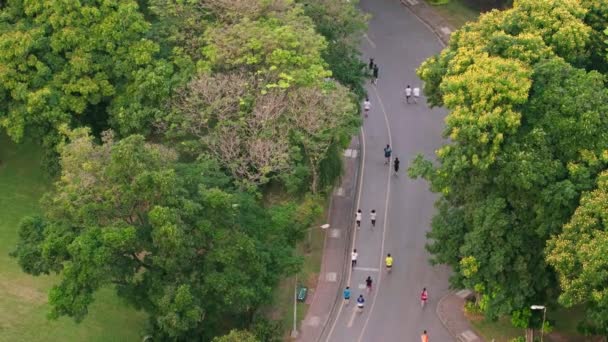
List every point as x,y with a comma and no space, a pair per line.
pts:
564,320
23,298
458,12
282,308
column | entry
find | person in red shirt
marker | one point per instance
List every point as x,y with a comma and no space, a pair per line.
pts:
424,296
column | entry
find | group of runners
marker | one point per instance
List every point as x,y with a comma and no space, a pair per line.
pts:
411,94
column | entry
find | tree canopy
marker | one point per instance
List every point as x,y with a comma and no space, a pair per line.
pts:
190,254
527,135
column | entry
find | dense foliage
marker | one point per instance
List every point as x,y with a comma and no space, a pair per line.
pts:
527,128
168,121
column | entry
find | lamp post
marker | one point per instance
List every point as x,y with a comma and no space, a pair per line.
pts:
542,327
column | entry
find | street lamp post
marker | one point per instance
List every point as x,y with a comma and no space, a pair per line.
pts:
542,327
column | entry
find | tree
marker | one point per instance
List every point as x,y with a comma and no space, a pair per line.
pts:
281,47
578,254
237,336
527,136
342,24
78,63
123,215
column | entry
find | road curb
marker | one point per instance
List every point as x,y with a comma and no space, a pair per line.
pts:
457,325
427,15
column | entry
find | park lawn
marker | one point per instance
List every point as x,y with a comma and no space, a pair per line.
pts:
564,320
23,298
312,253
457,12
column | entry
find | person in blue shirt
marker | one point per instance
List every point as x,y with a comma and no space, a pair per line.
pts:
360,302
347,295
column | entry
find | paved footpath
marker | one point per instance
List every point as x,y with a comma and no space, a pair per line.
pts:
402,33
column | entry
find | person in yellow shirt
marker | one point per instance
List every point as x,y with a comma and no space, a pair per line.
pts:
389,262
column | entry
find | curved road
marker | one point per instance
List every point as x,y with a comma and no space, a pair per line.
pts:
399,42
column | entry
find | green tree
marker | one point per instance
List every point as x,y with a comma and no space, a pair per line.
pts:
342,24
78,63
527,136
578,254
192,256
279,46
237,336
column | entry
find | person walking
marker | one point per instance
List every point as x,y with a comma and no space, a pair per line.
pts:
416,94
371,63
387,154
424,337
368,283
360,303
375,74
396,165
408,93
347,295
367,105
353,257
372,215
358,217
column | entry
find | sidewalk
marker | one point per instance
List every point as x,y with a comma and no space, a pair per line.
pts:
450,311
336,252
434,21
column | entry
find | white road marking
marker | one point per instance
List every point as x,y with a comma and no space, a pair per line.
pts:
334,233
352,318
367,269
369,40
386,209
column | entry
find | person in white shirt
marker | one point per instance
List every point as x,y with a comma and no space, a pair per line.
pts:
353,257
358,218
408,93
373,217
366,106
416,94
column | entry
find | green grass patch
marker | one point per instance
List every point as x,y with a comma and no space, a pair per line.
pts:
457,12
23,298
564,321
311,249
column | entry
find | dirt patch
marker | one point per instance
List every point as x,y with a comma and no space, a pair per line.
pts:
23,292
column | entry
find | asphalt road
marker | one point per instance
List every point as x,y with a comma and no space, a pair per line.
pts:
398,42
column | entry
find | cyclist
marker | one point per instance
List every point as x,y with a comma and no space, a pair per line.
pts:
424,296
360,303
347,295
389,262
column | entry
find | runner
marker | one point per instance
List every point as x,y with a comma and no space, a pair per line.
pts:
424,337
375,74
353,257
408,93
416,94
387,153
358,218
396,165
366,106
360,302
372,215
368,283
424,296
389,262
347,295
